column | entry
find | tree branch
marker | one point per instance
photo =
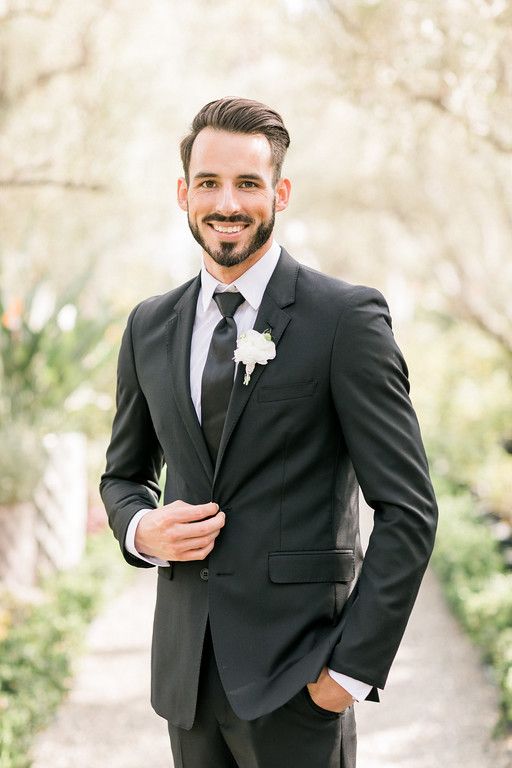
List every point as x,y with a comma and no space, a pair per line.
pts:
440,105
482,322
376,53
27,12
473,311
349,26
43,78
73,186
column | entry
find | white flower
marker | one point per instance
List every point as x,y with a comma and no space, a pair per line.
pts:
42,307
253,349
66,319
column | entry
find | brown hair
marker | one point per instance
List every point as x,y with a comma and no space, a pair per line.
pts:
239,116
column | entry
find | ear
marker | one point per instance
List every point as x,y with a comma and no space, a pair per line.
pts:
283,190
182,194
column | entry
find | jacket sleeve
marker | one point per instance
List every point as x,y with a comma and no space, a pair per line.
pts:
134,456
370,389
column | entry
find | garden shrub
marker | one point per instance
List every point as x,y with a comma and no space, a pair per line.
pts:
469,563
39,642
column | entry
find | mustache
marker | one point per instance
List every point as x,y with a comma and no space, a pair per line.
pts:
237,219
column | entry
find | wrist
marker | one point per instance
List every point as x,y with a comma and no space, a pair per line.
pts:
138,527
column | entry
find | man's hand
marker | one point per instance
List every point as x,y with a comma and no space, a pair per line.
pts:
179,531
328,694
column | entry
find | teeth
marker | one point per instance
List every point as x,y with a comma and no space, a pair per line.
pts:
227,230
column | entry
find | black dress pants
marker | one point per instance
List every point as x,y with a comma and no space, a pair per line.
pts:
299,734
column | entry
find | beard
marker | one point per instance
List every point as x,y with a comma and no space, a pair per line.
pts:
226,254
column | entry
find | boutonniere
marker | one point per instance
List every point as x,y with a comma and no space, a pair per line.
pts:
253,348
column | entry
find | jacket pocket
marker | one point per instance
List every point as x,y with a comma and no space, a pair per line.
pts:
286,391
313,566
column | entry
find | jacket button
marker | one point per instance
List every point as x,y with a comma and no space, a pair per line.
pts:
204,574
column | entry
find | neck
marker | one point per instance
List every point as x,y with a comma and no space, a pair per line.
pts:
228,275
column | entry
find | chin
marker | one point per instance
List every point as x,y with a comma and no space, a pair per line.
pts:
225,258
230,253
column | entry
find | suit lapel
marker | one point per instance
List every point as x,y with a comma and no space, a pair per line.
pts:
280,292
179,338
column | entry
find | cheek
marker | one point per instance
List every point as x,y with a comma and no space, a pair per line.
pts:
197,211
201,200
262,208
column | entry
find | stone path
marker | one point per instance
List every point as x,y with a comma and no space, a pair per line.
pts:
438,709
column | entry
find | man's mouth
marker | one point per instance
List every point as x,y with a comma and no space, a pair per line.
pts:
228,230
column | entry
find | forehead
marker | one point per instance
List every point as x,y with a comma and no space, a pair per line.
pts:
227,153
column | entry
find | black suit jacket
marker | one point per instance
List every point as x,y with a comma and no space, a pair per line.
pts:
288,591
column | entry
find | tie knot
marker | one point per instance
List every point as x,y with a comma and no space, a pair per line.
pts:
228,302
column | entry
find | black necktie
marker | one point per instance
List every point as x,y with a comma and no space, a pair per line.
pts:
217,380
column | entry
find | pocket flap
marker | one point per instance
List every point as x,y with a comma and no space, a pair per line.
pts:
268,394
311,566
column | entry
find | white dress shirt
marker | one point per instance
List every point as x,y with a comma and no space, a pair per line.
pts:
251,285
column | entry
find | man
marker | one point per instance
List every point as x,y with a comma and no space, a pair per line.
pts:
268,624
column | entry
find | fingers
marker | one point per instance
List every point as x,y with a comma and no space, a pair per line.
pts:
201,528
188,531
200,542
189,513
197,554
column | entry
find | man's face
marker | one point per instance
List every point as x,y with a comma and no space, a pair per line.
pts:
230,198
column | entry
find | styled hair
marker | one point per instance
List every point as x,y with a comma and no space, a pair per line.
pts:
239,116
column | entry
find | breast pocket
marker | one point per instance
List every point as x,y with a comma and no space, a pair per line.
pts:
269,394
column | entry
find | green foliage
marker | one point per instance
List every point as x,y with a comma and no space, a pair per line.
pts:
49,347
488,610
38,644
52,351
462,389
475,581
21,462
494,484
465,551
503,666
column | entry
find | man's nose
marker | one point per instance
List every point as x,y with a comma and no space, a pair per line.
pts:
227,201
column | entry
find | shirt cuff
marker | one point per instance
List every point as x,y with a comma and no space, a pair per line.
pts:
358,690
129,541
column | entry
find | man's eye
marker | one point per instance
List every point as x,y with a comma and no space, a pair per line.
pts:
247,184
208,184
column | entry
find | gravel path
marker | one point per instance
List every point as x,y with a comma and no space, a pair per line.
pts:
438,709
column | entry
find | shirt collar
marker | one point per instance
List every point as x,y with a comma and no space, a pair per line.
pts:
251,284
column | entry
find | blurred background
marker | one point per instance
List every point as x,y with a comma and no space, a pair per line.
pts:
400,115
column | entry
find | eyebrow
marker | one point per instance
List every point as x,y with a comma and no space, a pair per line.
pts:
211,174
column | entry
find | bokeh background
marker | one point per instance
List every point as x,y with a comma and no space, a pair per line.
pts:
401,161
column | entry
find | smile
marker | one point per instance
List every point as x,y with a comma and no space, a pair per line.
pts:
232,230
